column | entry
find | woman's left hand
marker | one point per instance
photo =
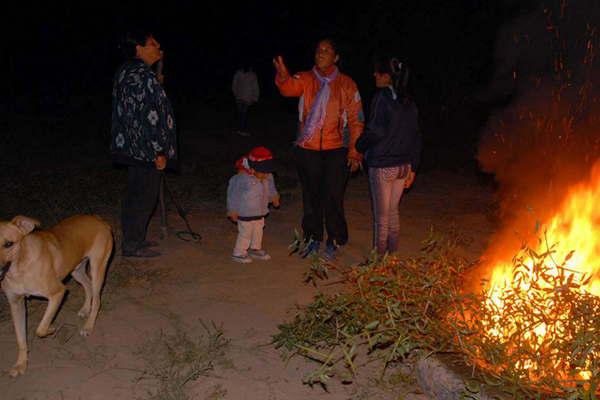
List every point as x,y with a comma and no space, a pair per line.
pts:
276,202
354,164
409,179
160,162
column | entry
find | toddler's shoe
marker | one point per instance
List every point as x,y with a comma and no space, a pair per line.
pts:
259,254
241,259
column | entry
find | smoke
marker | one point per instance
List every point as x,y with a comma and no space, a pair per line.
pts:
548,137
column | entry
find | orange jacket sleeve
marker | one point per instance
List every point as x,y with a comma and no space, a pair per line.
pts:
356,119
292,86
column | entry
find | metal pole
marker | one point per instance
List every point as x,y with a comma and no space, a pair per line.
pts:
164,231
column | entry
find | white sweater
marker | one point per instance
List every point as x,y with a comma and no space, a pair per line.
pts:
249,196
245,86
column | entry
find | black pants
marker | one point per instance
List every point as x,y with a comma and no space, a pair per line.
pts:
143,185
242,114
323,176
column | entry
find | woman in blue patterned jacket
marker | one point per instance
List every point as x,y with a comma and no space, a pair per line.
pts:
143,137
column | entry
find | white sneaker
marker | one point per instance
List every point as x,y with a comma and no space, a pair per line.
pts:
259,254
241,259
243,133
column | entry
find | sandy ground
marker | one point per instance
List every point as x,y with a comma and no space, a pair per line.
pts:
194,282
198,281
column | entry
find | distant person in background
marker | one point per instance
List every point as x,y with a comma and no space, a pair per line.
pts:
143,137
246,92
329,105
392,145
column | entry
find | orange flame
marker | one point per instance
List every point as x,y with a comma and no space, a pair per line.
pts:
575,232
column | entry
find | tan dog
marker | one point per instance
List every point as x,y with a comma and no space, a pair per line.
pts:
36,263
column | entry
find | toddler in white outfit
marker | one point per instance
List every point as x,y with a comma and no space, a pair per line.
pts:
248,196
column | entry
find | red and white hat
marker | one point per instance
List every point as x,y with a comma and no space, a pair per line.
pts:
261,159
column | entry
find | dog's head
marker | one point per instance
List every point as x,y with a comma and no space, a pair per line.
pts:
11,234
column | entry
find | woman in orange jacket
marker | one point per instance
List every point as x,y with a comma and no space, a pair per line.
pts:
329,105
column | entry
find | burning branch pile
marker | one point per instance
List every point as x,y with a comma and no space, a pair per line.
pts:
540,330
533,334
539,318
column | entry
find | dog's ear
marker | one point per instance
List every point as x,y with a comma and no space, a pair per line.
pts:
25,224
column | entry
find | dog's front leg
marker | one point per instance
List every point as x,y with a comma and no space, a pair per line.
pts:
54,301
17,310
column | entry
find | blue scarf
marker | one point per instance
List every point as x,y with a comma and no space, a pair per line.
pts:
316,115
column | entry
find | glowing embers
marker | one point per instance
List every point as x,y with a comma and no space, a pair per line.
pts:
542,309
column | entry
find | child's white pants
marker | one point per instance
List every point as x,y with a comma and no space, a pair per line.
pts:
250,235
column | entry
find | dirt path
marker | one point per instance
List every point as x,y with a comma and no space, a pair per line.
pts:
192,282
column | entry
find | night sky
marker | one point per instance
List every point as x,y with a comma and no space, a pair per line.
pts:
75,45
61,53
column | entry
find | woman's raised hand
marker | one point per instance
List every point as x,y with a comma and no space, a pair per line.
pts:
282,70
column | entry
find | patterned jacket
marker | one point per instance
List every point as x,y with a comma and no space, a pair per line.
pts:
142,119
344,110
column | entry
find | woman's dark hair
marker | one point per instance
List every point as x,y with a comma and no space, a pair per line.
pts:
398,71
331,41
130,39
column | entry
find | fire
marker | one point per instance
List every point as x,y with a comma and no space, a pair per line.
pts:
565,261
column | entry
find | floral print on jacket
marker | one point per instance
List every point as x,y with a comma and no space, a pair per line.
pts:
143,126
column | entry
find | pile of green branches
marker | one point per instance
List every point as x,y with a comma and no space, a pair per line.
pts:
393,309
